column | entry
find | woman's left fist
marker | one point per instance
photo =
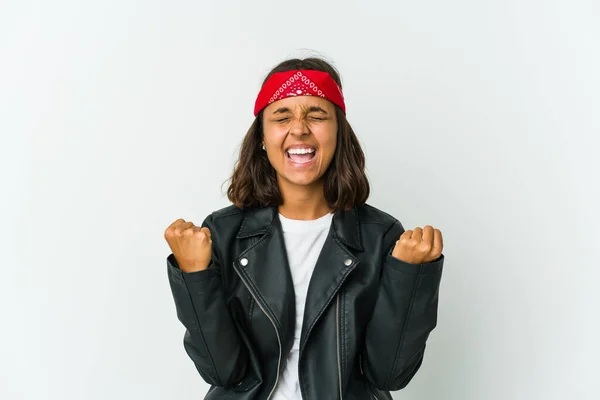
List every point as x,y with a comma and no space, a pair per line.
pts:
419,246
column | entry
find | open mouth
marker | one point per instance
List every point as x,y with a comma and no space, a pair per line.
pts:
301,156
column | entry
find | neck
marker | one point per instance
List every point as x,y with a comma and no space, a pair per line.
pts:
303,202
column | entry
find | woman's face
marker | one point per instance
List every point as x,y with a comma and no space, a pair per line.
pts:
300,135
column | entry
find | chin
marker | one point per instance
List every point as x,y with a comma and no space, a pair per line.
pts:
302,180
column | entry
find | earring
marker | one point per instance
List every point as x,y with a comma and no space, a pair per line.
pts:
263,147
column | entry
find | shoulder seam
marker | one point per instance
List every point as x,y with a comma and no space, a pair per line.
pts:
225,212
216,216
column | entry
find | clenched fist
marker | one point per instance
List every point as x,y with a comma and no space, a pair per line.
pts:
190,244
419,246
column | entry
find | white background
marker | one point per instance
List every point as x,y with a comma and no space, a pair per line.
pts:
478,117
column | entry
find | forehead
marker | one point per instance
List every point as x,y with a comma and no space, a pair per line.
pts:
300,103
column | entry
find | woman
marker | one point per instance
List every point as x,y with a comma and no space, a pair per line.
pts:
301,290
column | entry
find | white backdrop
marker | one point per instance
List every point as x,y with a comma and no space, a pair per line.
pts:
478,117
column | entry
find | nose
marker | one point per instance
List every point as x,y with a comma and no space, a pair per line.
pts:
299,127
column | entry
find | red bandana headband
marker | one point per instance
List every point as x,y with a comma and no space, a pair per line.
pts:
304,82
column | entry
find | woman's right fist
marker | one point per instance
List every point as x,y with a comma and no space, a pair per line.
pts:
190,244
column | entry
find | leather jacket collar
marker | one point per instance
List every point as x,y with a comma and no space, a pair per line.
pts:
346,225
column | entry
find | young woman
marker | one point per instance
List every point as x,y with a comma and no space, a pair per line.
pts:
299,289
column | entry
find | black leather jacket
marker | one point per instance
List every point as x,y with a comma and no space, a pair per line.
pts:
367,315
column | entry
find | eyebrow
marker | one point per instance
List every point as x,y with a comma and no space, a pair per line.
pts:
316,109
310,109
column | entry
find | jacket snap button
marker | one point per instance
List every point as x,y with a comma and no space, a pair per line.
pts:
244,262
347,262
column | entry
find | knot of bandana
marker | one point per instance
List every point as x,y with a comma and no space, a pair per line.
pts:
282,85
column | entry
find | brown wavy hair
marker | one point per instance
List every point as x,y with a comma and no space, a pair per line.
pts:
254,180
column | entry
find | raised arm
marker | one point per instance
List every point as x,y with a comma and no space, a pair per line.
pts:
406,308
194,271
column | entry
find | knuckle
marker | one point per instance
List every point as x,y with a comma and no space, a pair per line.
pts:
424,246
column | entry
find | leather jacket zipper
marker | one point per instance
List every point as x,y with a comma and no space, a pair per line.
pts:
264,310
337,337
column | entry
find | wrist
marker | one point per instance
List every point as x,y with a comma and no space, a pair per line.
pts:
193,267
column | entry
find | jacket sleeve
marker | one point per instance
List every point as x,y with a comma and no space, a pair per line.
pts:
211,339
405,313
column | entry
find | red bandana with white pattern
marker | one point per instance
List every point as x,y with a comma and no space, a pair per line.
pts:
303,82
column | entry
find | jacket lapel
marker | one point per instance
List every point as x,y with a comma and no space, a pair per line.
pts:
333,265
265,267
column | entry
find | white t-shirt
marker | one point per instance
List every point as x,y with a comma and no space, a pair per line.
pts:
303,241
